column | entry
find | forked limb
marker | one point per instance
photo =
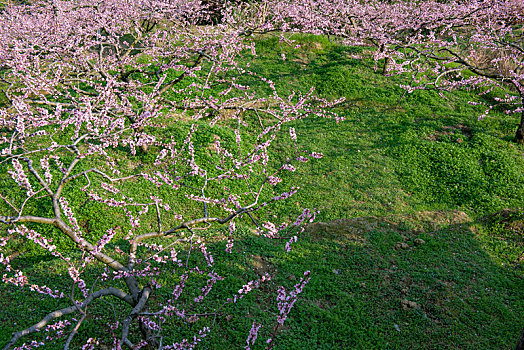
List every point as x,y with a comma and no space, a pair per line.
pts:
69,310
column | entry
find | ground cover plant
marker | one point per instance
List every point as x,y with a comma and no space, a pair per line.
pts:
420,167
419,243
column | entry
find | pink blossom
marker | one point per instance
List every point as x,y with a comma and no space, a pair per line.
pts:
253,332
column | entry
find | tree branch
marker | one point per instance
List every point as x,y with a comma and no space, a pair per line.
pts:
68,310
35,174
183,226
178,79
146,292
74,331
83,244
8,220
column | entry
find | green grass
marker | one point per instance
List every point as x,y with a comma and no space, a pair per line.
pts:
395,171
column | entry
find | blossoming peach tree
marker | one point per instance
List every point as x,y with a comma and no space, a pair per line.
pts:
479,48
133,106
384,25
443,45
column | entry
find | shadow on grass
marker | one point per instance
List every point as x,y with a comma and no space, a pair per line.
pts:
422,281
406,281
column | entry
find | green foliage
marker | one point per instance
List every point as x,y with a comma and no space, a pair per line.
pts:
400,168
477,172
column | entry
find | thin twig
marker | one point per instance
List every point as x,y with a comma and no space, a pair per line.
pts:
74,331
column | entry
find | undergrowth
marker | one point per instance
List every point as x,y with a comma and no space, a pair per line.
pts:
421,245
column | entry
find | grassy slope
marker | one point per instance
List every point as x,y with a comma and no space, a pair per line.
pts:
393,172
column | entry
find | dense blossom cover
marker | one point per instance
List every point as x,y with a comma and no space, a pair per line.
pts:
91,86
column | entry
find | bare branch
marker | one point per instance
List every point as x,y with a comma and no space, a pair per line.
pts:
74,331
63,182
178,79
184,226
8,220
158,217
99,172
